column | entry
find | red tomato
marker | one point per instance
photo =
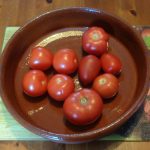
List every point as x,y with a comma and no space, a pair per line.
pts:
95,41
34,83
89,68
107,85
83,107
60,87
111,63
65,61
41,58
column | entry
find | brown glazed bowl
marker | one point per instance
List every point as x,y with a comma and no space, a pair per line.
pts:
63,29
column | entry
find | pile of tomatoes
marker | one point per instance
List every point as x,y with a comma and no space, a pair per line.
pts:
97,70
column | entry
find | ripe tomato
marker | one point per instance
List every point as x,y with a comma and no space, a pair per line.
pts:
83,107
89,68
41,58
60,87
111,63
107,85
34,83
65,61
95,41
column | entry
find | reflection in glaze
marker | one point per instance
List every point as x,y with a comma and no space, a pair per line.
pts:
31,112
77,84
25,63
27,60
54,138
59,36
117,109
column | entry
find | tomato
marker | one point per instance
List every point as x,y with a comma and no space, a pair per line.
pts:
34,83
111,63
89,68
65,61
41,58
95,41
107,85
83,107
60,87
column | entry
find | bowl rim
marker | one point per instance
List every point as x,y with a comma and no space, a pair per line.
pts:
64,138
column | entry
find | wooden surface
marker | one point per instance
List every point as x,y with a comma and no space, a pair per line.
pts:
18,12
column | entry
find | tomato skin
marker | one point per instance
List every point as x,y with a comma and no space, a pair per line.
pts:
89,68
41,58
34,83
60,87
83,107
95,41
65,61
107,85
111,63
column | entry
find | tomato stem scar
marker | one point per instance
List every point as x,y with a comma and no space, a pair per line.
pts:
102,81
83,100
96,36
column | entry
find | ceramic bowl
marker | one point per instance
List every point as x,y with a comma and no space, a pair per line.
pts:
63,29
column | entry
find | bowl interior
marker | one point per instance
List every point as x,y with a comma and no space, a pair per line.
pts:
64,29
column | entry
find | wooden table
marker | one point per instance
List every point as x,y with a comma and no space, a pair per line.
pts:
18,12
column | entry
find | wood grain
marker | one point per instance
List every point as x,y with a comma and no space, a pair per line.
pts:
18,12
89,146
